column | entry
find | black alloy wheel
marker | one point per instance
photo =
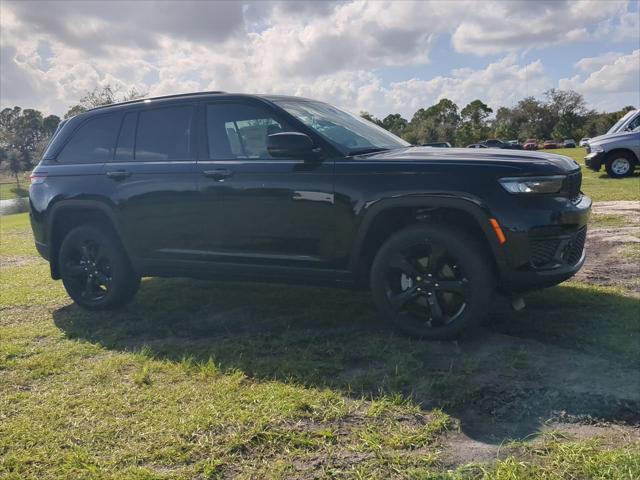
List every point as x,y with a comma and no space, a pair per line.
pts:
431,281
95,270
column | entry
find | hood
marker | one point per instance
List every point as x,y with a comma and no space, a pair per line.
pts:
612,136
518,158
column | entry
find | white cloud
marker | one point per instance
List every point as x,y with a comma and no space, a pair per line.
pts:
516,25
336,51
610,80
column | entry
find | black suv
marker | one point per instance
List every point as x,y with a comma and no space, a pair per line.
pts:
285,189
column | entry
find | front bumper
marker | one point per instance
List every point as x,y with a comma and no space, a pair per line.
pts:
544,254
594,160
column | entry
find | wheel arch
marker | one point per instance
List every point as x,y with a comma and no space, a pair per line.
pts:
386,217
616,151
68,214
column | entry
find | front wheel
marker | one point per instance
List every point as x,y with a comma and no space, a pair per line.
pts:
432,281
619,165
95,269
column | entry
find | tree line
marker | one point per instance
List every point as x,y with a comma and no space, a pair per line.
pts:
561,114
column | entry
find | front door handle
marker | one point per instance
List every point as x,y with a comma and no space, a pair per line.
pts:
218,174
118,174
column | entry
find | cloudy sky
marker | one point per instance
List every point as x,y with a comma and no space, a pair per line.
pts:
378,56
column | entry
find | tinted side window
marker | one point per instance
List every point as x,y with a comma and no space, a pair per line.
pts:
124,150
240,131
164,134
633,124
93,142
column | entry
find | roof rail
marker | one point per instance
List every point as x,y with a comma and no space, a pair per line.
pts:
175,95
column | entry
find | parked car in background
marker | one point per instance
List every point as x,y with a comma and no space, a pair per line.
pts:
477,145
249,187
437,144
530,144
618,152
549,144
584,142
628,123
495,143
569,143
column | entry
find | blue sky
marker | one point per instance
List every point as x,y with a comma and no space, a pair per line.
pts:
379,56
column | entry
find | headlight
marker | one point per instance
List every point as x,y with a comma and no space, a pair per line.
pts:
552,184
596,148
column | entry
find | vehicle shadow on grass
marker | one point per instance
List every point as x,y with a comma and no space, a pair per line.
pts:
571,357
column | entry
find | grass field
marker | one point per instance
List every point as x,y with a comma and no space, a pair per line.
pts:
206,380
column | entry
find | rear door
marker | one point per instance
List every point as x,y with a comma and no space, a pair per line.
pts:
152,178
257,209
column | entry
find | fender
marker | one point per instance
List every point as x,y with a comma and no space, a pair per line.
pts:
471,205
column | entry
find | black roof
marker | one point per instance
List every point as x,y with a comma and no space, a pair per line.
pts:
272,98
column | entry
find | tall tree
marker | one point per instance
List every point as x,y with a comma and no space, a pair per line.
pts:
438,123
569,111
474,125
395,123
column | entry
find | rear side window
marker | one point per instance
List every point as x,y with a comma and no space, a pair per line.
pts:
240,131
164,134
93,142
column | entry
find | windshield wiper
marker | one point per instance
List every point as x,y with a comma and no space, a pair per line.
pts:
362,151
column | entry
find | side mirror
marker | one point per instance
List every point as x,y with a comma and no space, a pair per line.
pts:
291,145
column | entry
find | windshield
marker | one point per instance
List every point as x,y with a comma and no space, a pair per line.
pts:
346,131
618,124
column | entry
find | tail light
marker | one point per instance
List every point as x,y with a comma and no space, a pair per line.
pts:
37,177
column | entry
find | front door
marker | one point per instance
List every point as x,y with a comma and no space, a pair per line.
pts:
257,209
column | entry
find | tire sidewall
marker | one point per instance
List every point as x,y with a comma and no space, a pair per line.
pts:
474,263
619,156
123,278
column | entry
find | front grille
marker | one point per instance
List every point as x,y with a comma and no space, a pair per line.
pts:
543,250
572,185
573,250
549,251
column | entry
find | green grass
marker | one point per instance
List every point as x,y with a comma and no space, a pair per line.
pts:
8,190
210,380
598,185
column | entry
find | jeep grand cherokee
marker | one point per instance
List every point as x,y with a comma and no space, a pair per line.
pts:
285,189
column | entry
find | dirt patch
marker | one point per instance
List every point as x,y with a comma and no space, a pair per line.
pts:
607,264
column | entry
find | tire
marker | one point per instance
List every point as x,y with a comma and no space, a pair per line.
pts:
432,282
619,164
95,270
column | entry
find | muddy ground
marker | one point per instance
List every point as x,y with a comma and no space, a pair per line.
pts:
554,386
610,259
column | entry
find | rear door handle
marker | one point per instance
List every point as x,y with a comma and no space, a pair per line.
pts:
218,173
118,174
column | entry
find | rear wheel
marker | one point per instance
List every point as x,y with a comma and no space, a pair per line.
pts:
95,270
432,281
619,164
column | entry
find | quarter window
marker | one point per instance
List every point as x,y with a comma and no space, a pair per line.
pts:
93,142
164,134
240,131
